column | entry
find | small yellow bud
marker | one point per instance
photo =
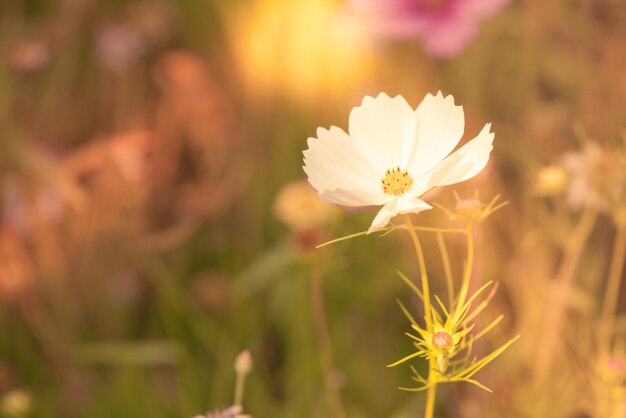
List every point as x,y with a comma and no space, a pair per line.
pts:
551,180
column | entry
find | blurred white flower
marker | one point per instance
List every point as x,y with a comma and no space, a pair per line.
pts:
296,205
580,166
597,179
393,155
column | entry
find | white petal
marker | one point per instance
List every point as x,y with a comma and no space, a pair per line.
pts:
440,126
401,204
353,198
384,129
464,163
333,162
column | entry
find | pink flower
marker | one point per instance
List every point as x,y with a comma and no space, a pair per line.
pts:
444,27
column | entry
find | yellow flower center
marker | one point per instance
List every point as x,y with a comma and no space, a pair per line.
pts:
396,181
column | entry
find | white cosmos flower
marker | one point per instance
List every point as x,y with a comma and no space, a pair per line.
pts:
394,154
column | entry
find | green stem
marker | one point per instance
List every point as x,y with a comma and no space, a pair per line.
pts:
467,274
322,338
432,364
423,273
430,401
445,259
564,279
239,385
611,293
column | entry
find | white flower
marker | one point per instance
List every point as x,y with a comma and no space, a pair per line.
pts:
394,154
296,205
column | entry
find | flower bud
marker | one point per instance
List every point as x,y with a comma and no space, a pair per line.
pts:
298,206
442,340
551,180
470,210
243,363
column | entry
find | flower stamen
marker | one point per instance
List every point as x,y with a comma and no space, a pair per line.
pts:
396,181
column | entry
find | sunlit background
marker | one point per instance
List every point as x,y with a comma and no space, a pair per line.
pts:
151,229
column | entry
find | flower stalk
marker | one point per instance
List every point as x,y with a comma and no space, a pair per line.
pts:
423,273
446,341
445,259
432,363
467,273
564,279
611,292
243,366
322,339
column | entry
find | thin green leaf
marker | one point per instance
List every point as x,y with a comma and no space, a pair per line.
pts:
420,389
357,234
406,312
483,304
443,308
417,376
445,259
488,328
473,382
408,334
461,316
436,315
407,358
411,285
477,366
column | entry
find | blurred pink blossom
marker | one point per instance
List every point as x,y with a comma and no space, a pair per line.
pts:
118,47
29,56
444,27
